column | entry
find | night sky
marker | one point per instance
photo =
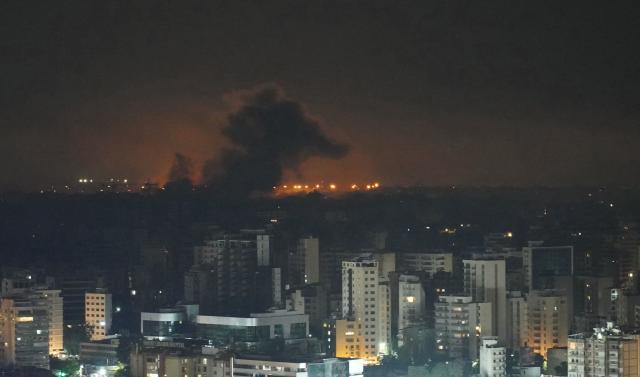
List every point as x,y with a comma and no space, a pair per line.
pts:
430,92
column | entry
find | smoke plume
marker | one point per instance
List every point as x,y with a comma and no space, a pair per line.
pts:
269,133
180,175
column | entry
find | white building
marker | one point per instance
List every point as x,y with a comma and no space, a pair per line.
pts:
485,281
365,307
163,324
97,314
460,323
429,263
411,301
271,368
493,358
606,353
282,324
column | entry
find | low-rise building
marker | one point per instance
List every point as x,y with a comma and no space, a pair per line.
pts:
169,323
258,327
493,358
246,367
182,362
101,353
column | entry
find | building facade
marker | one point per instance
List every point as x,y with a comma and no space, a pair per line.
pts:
430,263
364,310
411,301
304,263
607,352
517,317
245,367
24,331
541,264
459,324
485,281
98,314
56,320
548,321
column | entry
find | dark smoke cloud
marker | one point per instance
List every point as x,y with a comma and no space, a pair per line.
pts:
181,169
269,133
180,174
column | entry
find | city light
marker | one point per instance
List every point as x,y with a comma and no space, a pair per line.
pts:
297,188
302,189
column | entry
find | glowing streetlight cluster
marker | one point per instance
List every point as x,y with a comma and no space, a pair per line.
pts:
298,187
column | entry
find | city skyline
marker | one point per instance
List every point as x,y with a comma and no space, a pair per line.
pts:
319,188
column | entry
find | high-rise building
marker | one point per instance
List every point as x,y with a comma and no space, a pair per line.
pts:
386,264
304,263
277,286
621,308
199,287
548,321
541,264
627,256
498,242
331,269
98,314
593,295
517,325
264,248
56,320
607,352
430,263
384,318
24,330
231,261
24,286
311,300
411,302
350,340
364,330
493,358
485,281
459,324
73,295
328,337
18,281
